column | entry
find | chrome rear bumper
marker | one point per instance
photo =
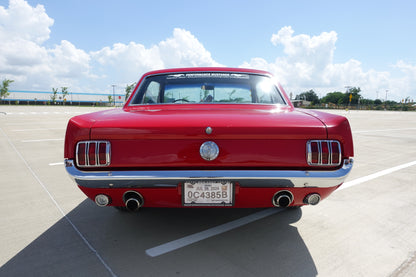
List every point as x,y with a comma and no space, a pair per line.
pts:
246,178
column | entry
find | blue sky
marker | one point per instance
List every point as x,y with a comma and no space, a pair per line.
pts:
320,45
234,31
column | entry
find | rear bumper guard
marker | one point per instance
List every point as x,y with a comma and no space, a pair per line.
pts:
245,178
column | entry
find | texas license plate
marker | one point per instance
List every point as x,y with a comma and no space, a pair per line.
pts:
208,193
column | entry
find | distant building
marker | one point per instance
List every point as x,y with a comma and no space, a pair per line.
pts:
301,103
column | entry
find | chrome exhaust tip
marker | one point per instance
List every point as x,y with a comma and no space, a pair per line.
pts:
133,200
282,199
312,199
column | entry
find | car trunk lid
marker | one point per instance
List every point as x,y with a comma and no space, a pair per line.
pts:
255,137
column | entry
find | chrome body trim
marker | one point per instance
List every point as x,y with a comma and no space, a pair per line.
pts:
245,178
208,130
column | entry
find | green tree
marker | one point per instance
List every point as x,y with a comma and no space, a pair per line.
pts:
367,102
110,99
64,91
355,95
4,88
54,95
309,96
129,89
333,97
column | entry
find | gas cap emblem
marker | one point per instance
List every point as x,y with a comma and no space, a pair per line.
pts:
209,150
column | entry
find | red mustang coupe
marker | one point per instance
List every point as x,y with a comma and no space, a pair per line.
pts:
208,137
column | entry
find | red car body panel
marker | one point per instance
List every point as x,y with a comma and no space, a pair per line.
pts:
167,137
337,128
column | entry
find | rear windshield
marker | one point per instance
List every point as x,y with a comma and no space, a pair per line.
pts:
208,87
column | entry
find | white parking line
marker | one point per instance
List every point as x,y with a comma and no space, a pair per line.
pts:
83,238
179,243
46,113
53,164
382,130
185,241
41,140
27,123
37,129
375,175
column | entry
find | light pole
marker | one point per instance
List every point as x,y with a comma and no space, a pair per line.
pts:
349,96
348,88
114,95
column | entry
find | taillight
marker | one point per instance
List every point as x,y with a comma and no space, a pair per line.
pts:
323,152
325,157
313,152
335,152
81,154
92,156
103,153
93,153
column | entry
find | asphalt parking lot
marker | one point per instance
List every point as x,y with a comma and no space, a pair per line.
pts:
49,228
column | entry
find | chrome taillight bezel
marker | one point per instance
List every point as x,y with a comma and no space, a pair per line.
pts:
98,144
321,159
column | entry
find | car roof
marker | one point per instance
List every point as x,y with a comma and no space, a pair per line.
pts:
208,69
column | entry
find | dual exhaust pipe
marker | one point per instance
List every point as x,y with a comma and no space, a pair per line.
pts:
134,200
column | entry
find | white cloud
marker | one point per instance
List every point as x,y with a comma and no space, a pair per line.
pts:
316,51
184,49
308,64
67,61
407,82
307,58
24,58
21,21
22,30
181,50
408,69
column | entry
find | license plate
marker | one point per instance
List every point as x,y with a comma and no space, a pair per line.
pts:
208,193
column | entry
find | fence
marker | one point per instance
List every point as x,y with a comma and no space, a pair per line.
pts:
72,98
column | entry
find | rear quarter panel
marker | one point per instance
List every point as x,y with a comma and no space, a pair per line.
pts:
78,129
338,128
